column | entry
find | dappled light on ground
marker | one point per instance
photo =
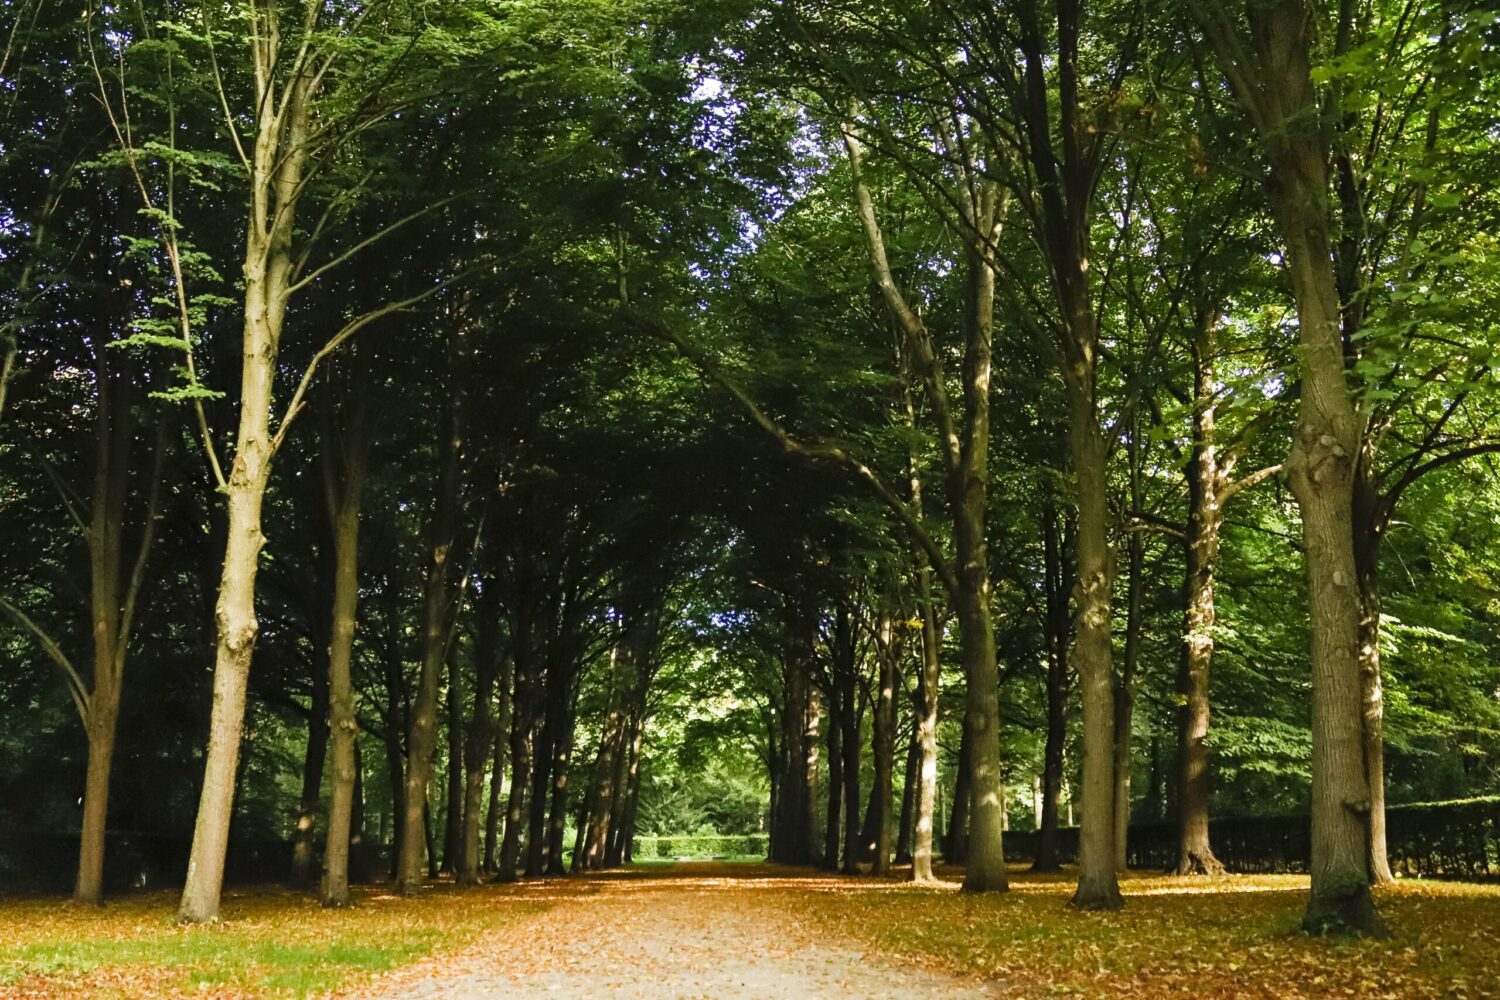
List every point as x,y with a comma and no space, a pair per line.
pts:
726,930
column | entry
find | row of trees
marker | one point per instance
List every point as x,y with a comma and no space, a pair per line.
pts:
746,370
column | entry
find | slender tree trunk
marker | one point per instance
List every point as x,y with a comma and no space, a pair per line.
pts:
502,727
1195,854
626,841
956,850
1058,625
1125,690
344,498
496,805
103,715
967,484
985,863
437,621
833,810
237,626
1369,525
908,799
481,737
605,791
541,780
515,812
453,810
395,725
304,838
112,609
562,757
794,802
622,834
278,155
883,738
926,736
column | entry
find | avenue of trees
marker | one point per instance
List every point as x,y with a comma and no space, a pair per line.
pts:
470,435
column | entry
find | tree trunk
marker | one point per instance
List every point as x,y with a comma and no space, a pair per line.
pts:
956,849
562,757
883,749
541,775
234,613
834,809
481,737
622,833
1098,887
1058,576
908,799
1270,70
1319,471
606,789
453,810
395,726
104,709
496,805
793,820
515,811
279,153
1125,690
969,496
304,837
345,499
926,735
1195,854
437,621
1369,525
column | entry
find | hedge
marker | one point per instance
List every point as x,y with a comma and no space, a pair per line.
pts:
1458,839
755,844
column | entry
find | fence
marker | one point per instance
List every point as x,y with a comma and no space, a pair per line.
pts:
1459,839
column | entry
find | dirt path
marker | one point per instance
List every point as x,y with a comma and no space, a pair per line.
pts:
687,931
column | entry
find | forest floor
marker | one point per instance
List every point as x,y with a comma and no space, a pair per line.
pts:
738,930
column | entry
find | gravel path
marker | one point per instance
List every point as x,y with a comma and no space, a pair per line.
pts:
689,931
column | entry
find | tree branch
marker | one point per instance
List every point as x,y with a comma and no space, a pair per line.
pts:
54,652
815,449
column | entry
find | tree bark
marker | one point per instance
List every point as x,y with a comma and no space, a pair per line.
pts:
304,837
482,729
277,158
966,455
437,623
1125,689
453,809
606,786
1057,570
883,739
956,848
1370,517
343,491
926,735
1270,70
112,600
833,810
562,757
908,799
1195,854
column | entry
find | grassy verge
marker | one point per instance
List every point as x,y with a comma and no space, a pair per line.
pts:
270,943
1236,936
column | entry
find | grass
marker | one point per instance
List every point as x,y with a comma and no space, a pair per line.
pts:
1234,936
268,944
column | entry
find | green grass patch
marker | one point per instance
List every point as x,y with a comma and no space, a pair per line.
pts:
269,944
